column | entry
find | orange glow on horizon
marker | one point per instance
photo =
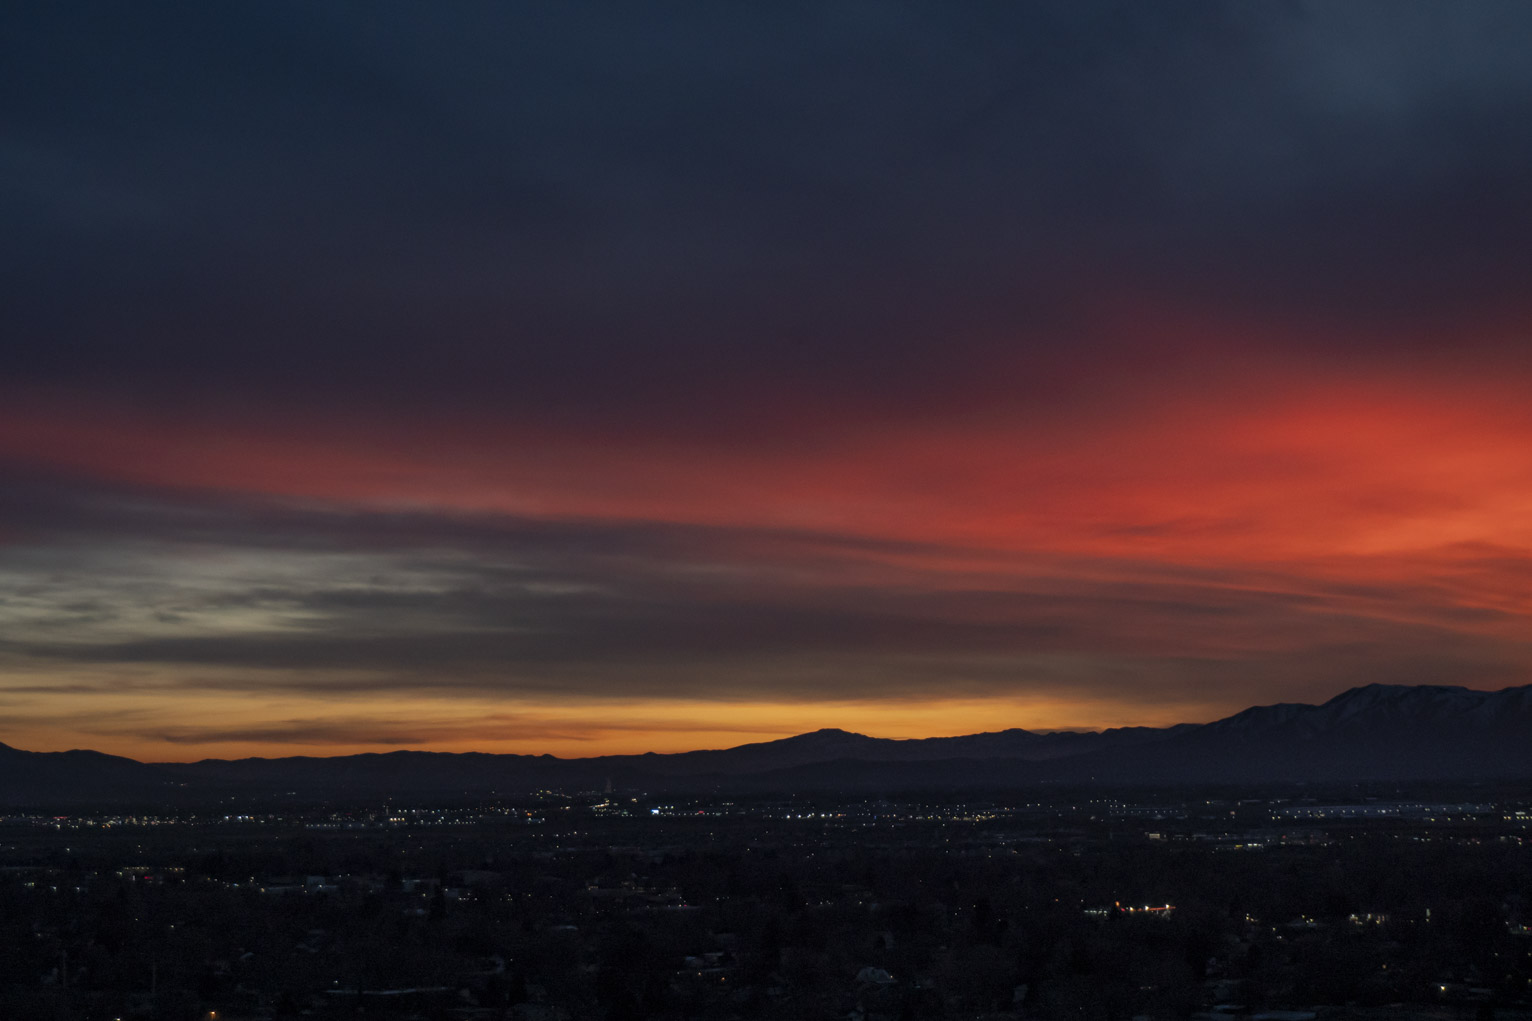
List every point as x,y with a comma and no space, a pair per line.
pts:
1364,502
202,728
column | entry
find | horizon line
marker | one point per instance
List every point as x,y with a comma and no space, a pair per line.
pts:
787,737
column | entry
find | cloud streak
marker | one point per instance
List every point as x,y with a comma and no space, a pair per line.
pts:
362,604
1085,362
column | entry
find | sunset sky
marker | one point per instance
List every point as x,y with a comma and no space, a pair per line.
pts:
614,377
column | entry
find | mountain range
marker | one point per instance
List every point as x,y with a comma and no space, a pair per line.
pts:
1375,732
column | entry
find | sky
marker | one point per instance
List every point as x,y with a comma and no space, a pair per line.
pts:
585,378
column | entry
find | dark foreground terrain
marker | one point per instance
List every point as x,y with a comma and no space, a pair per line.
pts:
1364,901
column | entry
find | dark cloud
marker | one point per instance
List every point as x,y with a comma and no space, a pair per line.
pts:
596,211
369,730
250,595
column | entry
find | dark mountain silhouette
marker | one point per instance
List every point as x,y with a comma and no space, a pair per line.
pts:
41,778
832,745
1376,732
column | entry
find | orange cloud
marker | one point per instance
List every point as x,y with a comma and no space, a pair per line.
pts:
1343,467
1316,512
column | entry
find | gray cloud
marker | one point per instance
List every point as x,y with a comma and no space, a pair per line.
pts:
664,218
384,731
262,597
